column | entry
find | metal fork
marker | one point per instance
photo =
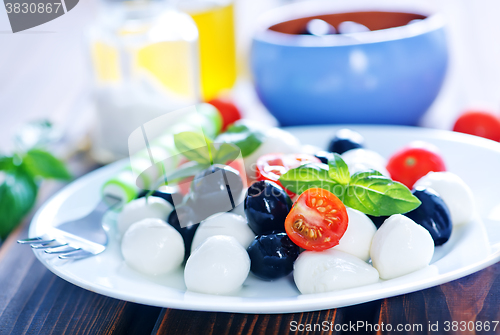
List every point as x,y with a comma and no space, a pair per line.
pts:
79,238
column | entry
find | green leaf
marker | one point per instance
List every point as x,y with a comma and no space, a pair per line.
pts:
6,162
338,170
41,163
225,152
310,175
193,146
17,195
244,136
374,194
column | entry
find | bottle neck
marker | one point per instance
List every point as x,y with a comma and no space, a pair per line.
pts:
116,12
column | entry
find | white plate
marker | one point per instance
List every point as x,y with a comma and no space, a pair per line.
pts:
470,249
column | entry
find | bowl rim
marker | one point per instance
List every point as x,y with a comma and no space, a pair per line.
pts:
434,21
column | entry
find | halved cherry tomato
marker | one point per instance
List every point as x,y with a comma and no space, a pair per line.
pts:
272,166
479,123
414,161
317,220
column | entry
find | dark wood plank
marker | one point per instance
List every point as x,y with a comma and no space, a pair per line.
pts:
173,321
473,298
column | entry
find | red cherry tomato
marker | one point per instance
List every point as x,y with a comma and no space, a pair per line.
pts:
479,123
317,220
229,112
272,166
239,166
415,161
185,184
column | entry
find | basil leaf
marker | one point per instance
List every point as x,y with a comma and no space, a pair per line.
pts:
6,162
193,146
374,194
225,152
338,170
366,173
17,196
310,175
243,136
41,163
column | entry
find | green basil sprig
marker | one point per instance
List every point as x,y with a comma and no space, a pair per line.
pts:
241,137
201,153
18,192
193,146
22,171
369,191
244,136
196,148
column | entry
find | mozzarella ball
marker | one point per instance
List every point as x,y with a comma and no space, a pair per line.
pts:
454,192
363,159
276,140
153,247
228,224
331,270
219,266
401,246
358,237
142,208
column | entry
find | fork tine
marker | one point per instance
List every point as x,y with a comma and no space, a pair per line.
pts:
48,245
57,250
35,240
77,254
86,235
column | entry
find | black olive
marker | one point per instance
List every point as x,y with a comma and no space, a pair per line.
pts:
185,221
377,220
216,189
345,140
272,256
266,207
324,156
432,214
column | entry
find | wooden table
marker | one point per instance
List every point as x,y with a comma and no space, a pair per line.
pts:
35,301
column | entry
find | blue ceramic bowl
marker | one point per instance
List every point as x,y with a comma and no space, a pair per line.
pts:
390,75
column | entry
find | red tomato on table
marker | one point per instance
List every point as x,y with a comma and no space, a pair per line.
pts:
272,166
317,220
479,123
415,161
228,111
